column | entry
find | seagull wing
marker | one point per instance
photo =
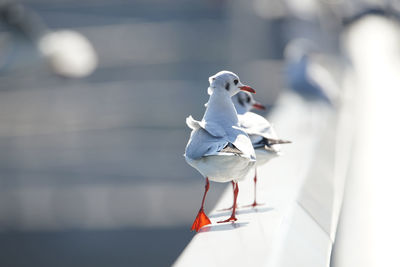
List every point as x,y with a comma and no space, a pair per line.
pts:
257,125
205,140
261,132
211,139
202,143
212,128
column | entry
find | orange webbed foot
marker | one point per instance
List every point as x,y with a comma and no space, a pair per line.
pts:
200,221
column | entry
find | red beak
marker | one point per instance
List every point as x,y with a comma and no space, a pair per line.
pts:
259,106
247,89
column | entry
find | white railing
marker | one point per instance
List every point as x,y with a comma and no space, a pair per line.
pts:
368,233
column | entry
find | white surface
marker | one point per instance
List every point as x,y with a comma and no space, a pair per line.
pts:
294,227
370,219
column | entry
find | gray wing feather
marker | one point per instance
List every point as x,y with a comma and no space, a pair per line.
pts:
202,143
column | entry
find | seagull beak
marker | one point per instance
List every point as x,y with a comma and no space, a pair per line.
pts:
259,106
247,89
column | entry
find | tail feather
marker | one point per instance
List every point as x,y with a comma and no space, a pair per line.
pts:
268,144
192,123
271,142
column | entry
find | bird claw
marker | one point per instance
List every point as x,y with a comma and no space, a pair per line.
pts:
200,221
255,204
230,219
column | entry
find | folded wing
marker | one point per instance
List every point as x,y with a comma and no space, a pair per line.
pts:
261,132
210,139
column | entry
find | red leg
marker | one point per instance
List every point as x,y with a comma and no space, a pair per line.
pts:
233,188
201,218
255,204
235,194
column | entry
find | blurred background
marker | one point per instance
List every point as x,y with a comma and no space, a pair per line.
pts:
93,101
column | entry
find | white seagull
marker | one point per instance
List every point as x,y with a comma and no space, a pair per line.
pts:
262,134
218,147
306,75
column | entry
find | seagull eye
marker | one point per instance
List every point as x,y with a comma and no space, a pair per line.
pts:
227,85
236,81
248,99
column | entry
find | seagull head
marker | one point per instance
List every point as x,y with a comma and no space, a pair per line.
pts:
228,82
244,102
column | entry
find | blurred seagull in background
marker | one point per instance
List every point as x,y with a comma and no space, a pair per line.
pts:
68,53
262,134
306,76
218,147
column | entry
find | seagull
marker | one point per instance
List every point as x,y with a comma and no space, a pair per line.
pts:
218,147
262,134
306,76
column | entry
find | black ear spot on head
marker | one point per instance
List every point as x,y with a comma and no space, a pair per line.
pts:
227,86
213,79
240,100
